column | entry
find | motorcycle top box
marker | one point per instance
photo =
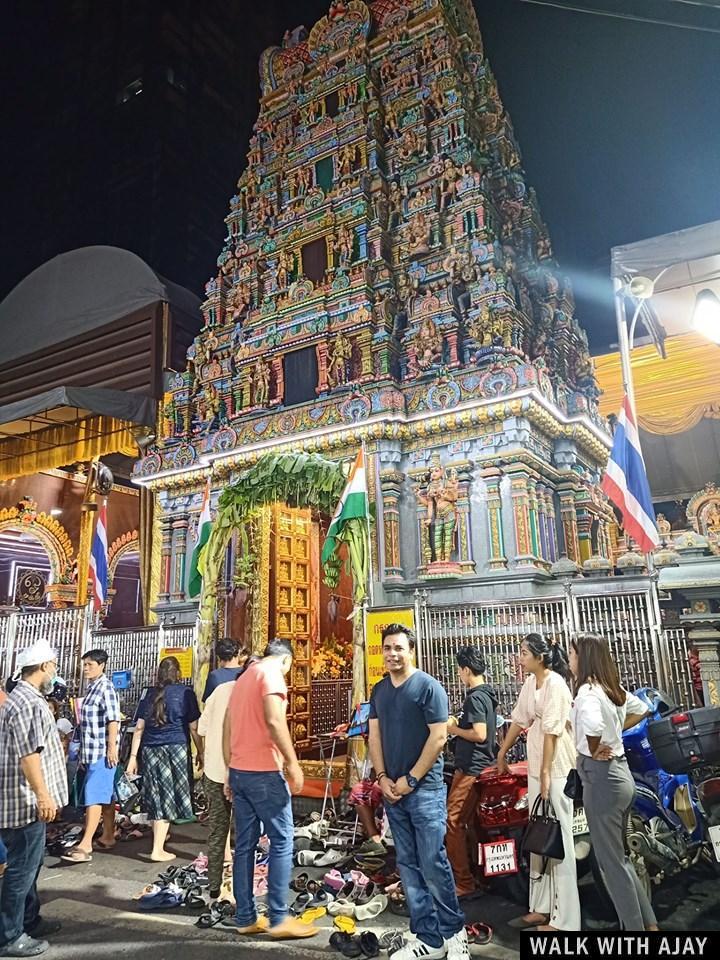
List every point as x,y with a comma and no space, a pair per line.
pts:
686,740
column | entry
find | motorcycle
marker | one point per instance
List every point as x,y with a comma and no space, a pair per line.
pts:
668,828
501,815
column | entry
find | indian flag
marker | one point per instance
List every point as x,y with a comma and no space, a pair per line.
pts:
203,534
353,505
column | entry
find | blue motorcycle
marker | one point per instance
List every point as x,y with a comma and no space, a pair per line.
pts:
669,827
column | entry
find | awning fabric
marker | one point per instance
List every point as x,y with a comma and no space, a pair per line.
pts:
671,395
69,424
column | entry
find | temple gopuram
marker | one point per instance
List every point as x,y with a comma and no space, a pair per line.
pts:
387,279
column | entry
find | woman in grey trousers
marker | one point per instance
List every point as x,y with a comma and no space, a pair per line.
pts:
600,713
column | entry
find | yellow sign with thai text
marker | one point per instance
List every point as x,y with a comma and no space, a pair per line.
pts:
184,657
375,623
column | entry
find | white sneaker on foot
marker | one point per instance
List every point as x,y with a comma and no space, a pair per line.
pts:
417,950
458,947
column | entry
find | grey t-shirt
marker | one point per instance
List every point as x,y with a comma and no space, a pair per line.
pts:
404,714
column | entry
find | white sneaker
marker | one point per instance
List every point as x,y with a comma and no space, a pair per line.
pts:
417,950
458,947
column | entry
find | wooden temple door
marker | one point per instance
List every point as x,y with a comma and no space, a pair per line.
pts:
295,612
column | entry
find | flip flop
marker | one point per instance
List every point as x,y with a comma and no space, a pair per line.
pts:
76,856
101,845
479,933
344,924
312,914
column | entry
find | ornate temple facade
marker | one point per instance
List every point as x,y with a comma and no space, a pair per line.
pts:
387,279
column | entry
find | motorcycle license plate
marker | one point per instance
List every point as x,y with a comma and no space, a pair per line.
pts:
580,824
498,858
715,840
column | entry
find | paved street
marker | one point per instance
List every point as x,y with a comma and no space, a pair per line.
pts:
95,904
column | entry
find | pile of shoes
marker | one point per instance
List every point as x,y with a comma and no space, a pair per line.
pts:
350,895
177,887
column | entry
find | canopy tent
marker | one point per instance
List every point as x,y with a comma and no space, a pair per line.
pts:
677,392
83,322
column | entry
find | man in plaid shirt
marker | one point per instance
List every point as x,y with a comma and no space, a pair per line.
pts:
33,788
99,729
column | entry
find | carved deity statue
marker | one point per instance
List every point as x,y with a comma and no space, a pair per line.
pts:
304,181
448,182
337,372
346,159
240,303
440,498
663,525
261,383
285,267
419,235
343,244
712,519
428,344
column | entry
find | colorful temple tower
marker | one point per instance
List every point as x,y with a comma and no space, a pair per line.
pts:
387,278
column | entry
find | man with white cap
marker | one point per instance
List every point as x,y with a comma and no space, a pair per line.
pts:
33,788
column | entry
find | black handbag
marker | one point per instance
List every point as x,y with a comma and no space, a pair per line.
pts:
543,835
574,786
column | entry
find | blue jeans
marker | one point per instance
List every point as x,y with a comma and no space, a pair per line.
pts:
261,797
19,901
418,823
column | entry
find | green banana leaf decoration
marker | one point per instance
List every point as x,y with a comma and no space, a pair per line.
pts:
304,480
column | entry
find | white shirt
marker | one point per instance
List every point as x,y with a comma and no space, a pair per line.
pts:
593,714
210,726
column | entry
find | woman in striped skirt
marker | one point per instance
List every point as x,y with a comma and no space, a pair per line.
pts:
167,718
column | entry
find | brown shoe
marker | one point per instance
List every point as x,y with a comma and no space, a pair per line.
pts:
261,925
293,929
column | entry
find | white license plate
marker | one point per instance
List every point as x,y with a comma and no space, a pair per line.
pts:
498,858
715,840
580,824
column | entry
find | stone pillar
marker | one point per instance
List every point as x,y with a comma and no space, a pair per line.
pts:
701,627
542,521
492,477
569,523
364,340
391,485
464,540
321,351
278,370
584,530
551,527
165,558
519,480
180,523
452,339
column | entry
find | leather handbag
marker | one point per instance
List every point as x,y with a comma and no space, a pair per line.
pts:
543,835
574,786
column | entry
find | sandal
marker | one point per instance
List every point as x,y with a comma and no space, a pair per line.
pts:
344,924
398,904
372,909
76,856
300,883
369,944
479,933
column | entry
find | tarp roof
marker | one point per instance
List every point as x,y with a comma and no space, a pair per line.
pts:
683,263
77,292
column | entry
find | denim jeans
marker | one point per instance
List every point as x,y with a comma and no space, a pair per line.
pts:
19,901
261,797
418,823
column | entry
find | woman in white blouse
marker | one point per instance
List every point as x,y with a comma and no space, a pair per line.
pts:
602,709
543,709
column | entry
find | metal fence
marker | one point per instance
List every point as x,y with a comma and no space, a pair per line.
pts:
646,654
65,630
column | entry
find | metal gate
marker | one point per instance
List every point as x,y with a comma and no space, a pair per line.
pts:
646,654
64,629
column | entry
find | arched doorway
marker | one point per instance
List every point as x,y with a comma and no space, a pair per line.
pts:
25,569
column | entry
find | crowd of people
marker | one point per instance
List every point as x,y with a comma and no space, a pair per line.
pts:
572,710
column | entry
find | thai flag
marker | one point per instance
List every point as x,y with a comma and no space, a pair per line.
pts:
98,559
626,484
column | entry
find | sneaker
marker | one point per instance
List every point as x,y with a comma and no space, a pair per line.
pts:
458,947
417,950
371,848
24,946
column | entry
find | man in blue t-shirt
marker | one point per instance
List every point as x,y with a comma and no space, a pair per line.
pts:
408,730
231,658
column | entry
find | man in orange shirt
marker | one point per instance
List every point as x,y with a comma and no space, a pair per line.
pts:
257,745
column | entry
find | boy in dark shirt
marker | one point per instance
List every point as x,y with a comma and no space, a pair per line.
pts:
474,748
231,658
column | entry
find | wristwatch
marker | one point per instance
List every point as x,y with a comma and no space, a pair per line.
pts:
412,781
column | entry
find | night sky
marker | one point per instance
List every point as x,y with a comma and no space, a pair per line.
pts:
618,123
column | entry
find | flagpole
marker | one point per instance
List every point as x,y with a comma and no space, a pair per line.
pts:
369,538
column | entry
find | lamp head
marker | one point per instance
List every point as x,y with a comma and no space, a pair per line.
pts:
706,316
642,288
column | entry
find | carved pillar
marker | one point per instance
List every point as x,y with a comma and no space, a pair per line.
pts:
569,523
278,370
366,360
165,558
551,527
584,531
180,525
391,485
520,478
493,478
464,541
321,351
452,339
541,507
